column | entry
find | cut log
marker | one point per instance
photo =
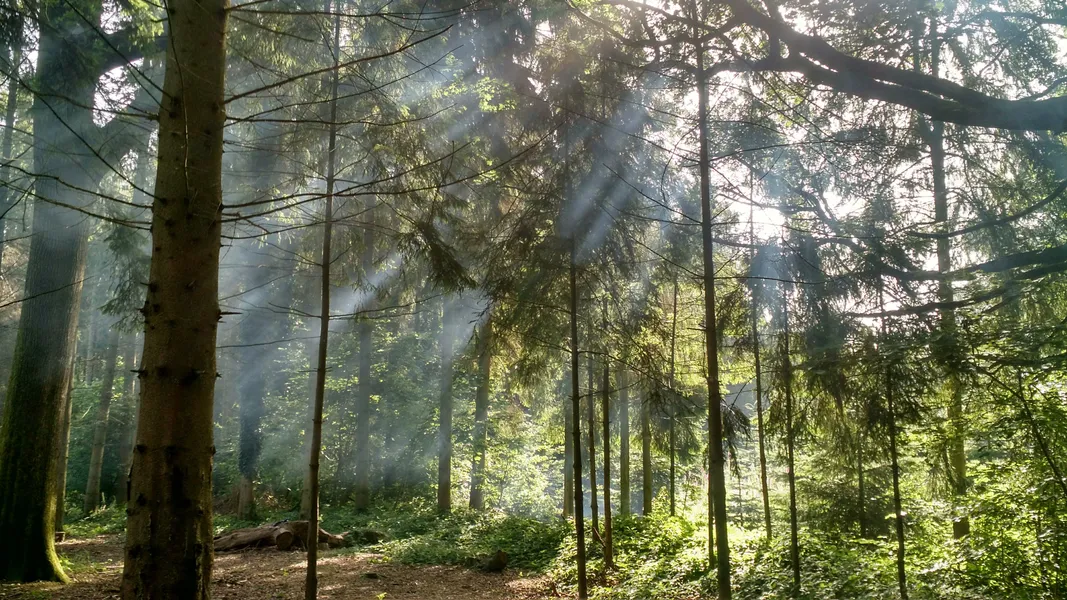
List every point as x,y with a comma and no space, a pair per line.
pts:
285,535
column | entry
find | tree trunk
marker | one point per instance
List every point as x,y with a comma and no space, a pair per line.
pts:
361,495
129,433
253,330
761,440
311,580
568,457
576,420
41,362
287,535
590,414
7,195
444,432
168,532
481,416
646,458
673,409
605,409
624,440
787,375
63,452
902,578
103,412
861,487
716,460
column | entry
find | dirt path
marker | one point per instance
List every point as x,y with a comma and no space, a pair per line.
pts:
95,566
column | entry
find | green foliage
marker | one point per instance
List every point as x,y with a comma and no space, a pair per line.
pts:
420,536
107,520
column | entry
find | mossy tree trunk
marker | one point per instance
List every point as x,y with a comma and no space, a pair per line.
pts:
103,414
41,364
168,532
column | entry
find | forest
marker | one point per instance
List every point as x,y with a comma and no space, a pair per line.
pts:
450,299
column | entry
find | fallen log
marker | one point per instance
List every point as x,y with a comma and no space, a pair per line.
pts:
285,535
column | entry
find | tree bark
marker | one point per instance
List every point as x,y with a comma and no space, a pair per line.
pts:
168,532
624,440
444,432
481,416
716,460
103,412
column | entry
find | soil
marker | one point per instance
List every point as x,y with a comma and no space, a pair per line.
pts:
95,568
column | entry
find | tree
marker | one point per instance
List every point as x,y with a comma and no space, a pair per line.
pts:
107,384
311,582
170,479
444,432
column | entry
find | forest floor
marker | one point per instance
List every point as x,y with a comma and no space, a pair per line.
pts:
95,567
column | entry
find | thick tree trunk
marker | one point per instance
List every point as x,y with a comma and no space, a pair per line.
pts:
444,431
576,420
361,493
311,580
605,409
168,532
481,416
590,414
63,452
103,412
716,460
646,458
624,440
41,364
790,442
